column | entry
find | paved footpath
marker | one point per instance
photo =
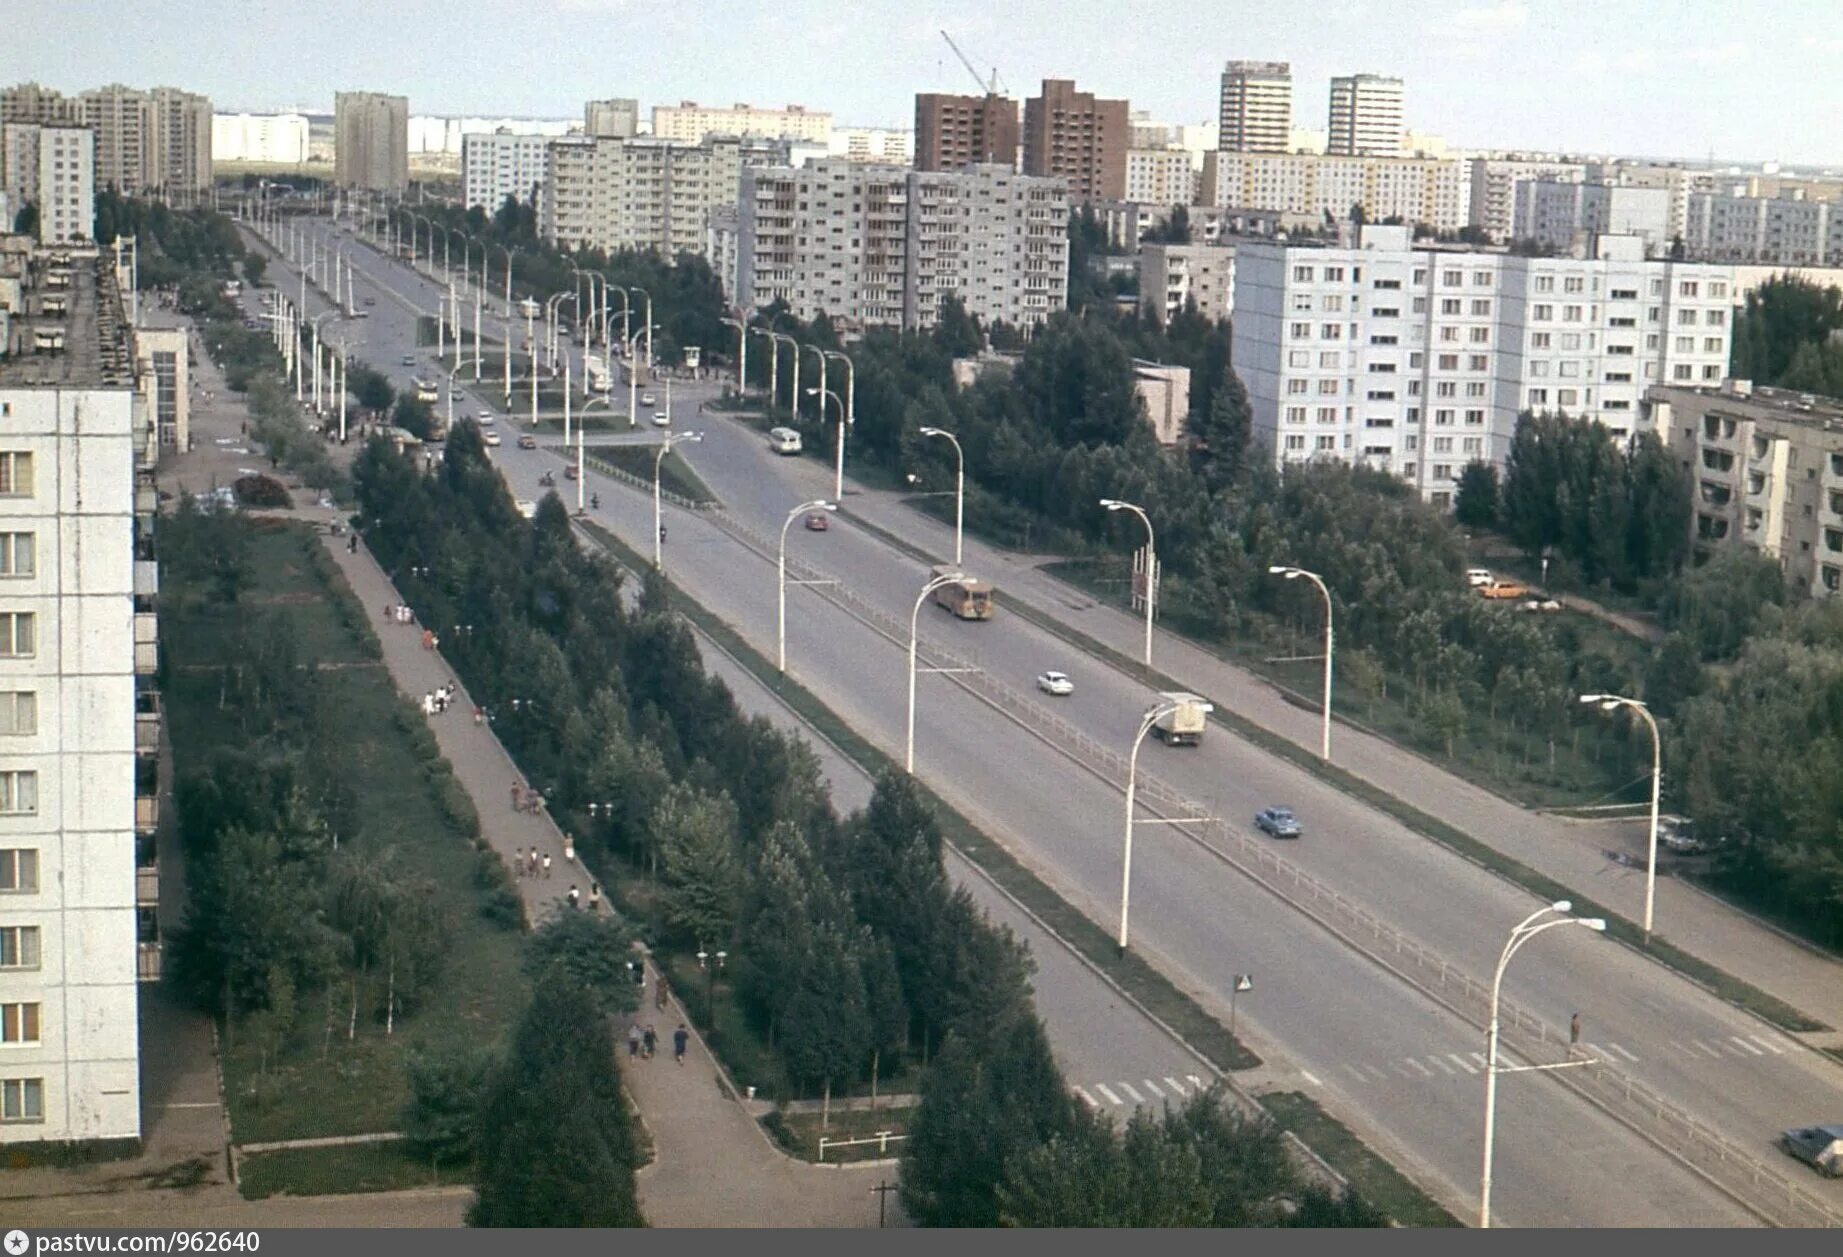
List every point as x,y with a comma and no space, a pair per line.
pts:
713,1165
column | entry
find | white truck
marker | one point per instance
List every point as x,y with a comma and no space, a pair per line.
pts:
1181,718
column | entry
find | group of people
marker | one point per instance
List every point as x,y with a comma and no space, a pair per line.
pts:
533,865
436,701
525,799
642,1040
575,896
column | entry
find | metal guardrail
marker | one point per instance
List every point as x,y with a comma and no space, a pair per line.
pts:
1734,1169
883,1139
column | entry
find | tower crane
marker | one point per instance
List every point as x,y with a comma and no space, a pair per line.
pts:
992,88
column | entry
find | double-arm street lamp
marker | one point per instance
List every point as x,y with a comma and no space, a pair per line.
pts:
838,474
939,582
1530,926
1151,566
1295,573
1613,702
1153,715
665,447
959,488
780,634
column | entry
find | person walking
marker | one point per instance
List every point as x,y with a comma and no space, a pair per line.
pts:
660,993
595,896
546,863
633,1042
680,1037
651,1040
518,799
575,896
352,545
531,863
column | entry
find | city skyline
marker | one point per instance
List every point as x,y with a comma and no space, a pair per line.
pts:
1481,73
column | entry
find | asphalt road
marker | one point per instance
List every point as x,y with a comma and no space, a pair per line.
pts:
1370,1047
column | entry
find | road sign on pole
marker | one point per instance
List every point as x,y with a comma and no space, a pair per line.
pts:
1139,579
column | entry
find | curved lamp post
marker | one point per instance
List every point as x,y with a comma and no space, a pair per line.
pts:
1151,566
939,582
959,488
665,447
780,635
1613,702
1294,573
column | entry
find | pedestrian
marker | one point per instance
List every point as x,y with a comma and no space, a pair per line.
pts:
428,639
428,704
575,896
435,643
679,1037
547,864
516,792
650,1039
659,993
479,714
662,532
390,612
595,896
633,1042
531,864
352,545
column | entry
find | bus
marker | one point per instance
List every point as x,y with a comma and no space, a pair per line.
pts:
969,598
427,390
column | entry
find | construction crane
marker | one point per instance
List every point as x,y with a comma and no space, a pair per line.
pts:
992,88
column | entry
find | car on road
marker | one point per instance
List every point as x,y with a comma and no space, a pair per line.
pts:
492,438
818,521
486,418
409,360
1503,591
1056,683
1477,576
1539,603
661,419
646,399
1277,822
527,442
1820,1147
362,314
569,471
371,301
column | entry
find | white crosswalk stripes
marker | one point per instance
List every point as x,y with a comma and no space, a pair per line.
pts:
1768,1044
1736,1039
1461,1062
1151,1086
1086,1098
1442,1065
1424,1071
1175,1085
1104,1090
1128,1088
1628,1056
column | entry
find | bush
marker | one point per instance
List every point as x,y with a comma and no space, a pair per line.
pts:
262,491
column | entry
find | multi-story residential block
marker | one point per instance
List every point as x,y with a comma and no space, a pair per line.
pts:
146,143
879,144
723,246
617,118
273,139
1075,137
881,246
1127,222
1160,176
1494,188
163,372
433,138
54,169
499,165
954,132
1679,181
639,193
371,141
1770,231
77,638
1256,108
1414,189
1174,275
691,123
1555,213
1366,117
1418,361
1768,470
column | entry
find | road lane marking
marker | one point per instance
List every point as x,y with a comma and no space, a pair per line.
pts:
1310,1077
1174,1085
1128,1088
1706,1048
1086,1098
1750,1047
1425,1072
1685,1050
1442,1064
1628,1056
1380,1076
1356,1073
1461,1062
1480,1058
1152,1087
1195,1081
1111,1097
1768,1044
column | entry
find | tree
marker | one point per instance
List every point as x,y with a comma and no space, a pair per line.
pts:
1219,441
1717,607
1475,505
590,950
702,880
441,1120
956,331
25,222
556,1140
254,264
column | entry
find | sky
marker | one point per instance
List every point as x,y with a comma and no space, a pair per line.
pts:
1745,80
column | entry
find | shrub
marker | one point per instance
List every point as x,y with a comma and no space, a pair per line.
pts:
262,491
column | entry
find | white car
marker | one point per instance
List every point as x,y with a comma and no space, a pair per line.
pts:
486,418
646,399
1056,683
661,419
1476,577
492,438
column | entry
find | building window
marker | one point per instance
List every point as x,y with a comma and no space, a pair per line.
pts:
1327,443
1299,358
1475,417
1302,274
1545,283
1451,279
1480,336
1481,279
1542,313
1481,309
1295,442
18,713
18,947
1449,305
1448,362
1301,330
1687,288
22,1100
18,638
15,474
19,870
19,1023
18,554
19,792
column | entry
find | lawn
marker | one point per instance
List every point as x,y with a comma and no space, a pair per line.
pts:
1373,1178
800,1133
675,474
326,1083
342,1170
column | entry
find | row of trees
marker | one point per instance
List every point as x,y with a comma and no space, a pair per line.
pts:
1784,336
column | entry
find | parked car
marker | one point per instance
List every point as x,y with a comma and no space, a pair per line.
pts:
1477,576
1056,683
491,438
362,314
1820,1147
661,419
1503,590
527,442
818,521
1277,822
371,301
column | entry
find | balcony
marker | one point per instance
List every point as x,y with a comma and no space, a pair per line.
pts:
146,578
146,643
147,961
146,500
147,886
146,813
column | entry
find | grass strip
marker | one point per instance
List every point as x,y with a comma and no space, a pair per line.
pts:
675,474
1724,985
1374,1178
341,1170
799,1133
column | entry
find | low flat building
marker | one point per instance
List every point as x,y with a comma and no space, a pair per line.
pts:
691,123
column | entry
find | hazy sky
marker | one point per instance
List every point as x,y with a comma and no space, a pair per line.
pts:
1746,79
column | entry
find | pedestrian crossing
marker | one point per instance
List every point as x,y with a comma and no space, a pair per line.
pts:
1122,1093
1747,1047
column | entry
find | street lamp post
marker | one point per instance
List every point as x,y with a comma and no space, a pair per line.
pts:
665,447
939,582
742,353
1294,573
1151,566
450,391
1153,715
633,378
959,488
1530,926
1612,702
774,363
780,634
838,474
647,323
793,387
820,354
508,341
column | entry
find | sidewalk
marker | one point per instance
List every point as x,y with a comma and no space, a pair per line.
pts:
713,1165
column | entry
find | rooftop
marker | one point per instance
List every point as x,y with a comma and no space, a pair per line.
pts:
1743,399
61,320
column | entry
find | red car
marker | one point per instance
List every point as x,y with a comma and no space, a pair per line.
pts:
817,522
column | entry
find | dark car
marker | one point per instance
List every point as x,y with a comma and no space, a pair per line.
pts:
527,442
817,522
1277,822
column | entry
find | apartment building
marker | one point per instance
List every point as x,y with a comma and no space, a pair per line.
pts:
146,142
639,193
1494,183
54,169
1160,176
371,141
617,118
1418,361
1558,213
954,132
1679,181
880,246
890,145
272,139
1127,222
1415,189
1768,470
77,643
1075,137
1366,118
1764,231
691,123
499,165
1256,112
1173,275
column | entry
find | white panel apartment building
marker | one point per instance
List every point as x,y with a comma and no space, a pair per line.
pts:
880,246
1366,117
1160,176
1494,188
1419,361
69,628
640,193
499,165
1769,231
1419,190
1171,275
276,138
1556,212
691,122
53,168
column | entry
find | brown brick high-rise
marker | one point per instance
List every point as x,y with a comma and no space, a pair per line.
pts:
1072,136
953,132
